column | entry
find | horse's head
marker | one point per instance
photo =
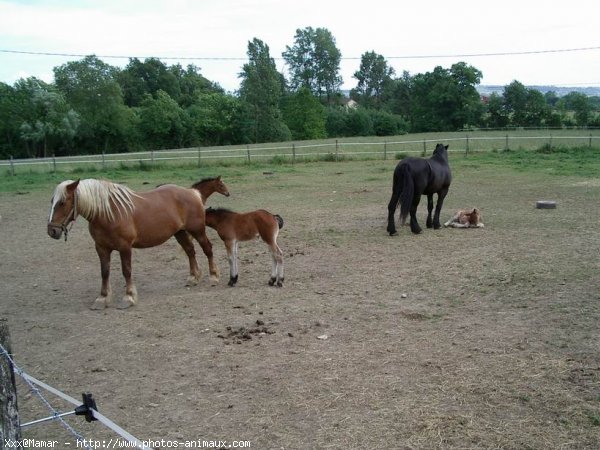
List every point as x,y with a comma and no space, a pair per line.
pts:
63,208
220,187
475,216
441,149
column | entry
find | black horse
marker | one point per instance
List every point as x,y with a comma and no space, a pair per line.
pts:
414,177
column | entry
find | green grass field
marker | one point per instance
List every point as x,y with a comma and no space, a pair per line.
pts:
562,151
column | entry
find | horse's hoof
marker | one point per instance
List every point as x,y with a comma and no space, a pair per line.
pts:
418,231
280,283
100,303
126,302
214,280
272,281
232,281
192,280
393,233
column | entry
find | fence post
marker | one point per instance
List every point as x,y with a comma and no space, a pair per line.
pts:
506,146
9,411
103,161
199,156
590,145
384,150
54,163
467,149
248,150
293,153
336,150
12,165
152,157
424,148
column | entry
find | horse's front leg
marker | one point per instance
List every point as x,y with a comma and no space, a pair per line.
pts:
130,298
185,240
105,292
429,222
438,208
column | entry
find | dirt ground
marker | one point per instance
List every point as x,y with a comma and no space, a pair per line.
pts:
481,338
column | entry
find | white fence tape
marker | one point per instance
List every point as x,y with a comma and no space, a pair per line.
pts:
102,419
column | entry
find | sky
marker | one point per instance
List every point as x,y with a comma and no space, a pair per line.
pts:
412,36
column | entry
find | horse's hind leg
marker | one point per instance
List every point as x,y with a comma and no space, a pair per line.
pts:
414,225
185,240
130,298
232,247
452,220
392,205
202,239
429,222
105,297
277,269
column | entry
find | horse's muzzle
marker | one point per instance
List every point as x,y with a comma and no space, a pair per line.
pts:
55,232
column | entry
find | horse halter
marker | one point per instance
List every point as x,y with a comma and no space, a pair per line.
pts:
63,226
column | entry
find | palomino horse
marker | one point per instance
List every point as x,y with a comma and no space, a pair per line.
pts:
208,186
234,227
120,219
414,177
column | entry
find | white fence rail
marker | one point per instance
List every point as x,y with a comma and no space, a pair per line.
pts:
293,152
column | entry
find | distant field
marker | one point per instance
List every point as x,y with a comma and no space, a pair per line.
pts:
389,147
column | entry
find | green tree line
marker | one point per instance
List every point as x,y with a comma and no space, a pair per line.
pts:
93,107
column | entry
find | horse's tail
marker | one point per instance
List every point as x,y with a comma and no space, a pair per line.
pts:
279,220
408,190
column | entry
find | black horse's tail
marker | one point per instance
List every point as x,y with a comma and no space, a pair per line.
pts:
408,190
279,220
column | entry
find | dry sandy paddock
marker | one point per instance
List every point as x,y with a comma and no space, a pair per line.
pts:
483,338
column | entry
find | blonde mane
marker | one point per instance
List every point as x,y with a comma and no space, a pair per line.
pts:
94,198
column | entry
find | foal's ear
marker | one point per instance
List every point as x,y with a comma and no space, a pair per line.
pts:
219,178
446,146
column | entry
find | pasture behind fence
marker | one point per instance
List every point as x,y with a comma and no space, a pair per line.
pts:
333,150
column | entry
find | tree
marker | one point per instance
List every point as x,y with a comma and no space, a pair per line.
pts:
359,122
260,92
215,118
13,111
497,116
90,87
53,121
398,96
314,63
191,84
537,110
162,121
580,104
445,99
141,78
374,76
515,101
304,115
